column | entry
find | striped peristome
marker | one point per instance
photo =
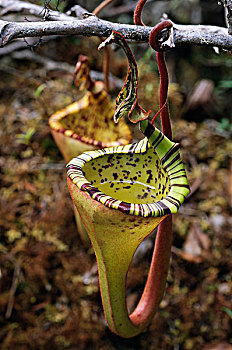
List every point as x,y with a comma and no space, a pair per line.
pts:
169,156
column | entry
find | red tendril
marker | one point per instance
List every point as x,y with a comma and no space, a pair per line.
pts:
138,12
157,276
163,95
155,44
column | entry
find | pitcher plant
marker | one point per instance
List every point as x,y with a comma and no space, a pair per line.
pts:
122,193
87,124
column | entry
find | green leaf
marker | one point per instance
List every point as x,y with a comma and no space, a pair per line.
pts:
228,311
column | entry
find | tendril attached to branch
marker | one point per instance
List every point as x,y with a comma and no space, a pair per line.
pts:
160,55
159,47
164,233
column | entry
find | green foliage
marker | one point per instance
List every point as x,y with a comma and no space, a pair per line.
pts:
228,311
225,125
54,4
38,91
25,138
225,84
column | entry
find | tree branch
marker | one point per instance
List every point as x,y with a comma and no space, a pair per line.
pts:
13,6
228,7
90,25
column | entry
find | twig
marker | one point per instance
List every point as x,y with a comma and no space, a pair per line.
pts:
14,285
12,6
20,44
14,46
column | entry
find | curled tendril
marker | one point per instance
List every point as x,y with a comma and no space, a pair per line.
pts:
127,101
160,45
157,42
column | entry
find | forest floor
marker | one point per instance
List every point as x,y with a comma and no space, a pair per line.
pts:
49,292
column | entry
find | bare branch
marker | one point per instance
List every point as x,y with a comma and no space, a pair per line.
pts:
13,6
93,26
87,24
90,26
205,35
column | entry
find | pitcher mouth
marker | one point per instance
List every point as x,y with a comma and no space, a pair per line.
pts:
149,191
73,119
